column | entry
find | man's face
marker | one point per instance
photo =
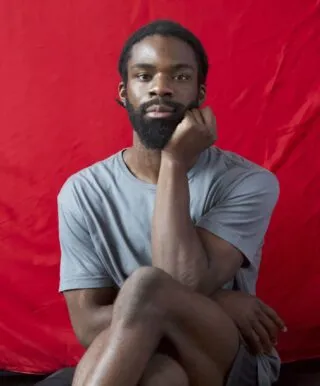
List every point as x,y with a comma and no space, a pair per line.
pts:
162,85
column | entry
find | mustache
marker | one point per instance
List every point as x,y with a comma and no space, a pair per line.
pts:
176,106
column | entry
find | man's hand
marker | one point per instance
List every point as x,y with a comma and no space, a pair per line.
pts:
259,325
195,133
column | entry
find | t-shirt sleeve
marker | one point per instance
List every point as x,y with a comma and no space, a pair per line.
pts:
80,266
242,216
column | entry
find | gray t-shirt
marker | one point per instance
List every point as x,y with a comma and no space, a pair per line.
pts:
105,216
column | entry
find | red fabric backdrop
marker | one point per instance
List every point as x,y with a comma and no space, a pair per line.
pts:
58,82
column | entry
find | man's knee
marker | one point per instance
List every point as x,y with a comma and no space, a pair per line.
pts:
163,370
138,296
145,281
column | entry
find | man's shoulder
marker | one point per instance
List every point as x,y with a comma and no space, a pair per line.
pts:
228,160
90,179
234,170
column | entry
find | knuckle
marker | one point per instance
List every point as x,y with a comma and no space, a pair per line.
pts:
252,318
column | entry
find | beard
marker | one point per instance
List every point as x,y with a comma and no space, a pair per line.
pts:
155,133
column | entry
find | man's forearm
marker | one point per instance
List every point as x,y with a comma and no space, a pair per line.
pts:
176,247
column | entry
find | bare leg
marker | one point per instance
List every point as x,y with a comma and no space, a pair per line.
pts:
161,369
152,305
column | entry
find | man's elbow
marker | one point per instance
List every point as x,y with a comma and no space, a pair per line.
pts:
85,340
84,335
214,280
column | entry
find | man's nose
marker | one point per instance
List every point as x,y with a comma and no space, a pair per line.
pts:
161,86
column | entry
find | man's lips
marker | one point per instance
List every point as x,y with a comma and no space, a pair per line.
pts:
159,114
159,111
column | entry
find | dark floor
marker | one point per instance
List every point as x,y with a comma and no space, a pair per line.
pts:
19,380
296,374
306,373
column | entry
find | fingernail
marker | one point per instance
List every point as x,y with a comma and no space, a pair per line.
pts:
285,329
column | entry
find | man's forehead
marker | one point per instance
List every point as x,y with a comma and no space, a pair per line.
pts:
162,50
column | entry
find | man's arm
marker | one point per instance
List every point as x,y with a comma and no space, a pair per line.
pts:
193,256
90,311
88,289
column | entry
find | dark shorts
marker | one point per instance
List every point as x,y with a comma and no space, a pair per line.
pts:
60,378
244,371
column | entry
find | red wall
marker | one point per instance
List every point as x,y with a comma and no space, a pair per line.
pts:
58,82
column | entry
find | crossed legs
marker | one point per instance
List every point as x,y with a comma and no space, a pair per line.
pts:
151,306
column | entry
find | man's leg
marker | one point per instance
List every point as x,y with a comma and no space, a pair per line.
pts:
150,306
161,369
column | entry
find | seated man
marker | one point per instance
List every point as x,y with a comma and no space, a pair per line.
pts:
161,243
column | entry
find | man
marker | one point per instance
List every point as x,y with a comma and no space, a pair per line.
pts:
161,242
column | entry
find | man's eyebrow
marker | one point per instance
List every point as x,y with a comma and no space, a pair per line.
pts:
175,67
145,66
183,66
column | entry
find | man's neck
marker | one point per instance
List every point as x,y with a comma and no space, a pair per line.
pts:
143,163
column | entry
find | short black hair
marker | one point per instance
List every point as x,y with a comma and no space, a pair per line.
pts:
165,28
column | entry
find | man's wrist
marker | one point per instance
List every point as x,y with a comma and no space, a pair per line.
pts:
171,161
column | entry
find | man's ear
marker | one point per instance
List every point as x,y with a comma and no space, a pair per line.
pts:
202,94
122,93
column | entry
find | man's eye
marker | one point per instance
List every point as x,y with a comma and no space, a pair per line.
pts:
144,77
182,77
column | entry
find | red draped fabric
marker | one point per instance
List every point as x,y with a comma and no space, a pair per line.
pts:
58,83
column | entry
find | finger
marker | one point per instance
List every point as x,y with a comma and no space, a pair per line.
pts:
198,116
263,336
187,122
190,117
208,116
210,121
270,326
252,340
274,316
